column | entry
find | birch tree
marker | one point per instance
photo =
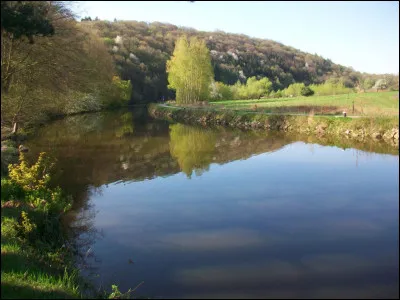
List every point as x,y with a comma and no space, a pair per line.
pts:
189,71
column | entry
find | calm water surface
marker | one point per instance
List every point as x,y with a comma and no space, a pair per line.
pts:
223,213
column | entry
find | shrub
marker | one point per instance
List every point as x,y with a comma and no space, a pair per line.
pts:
31,178
330,88
306,91
119,93
294,89
10,190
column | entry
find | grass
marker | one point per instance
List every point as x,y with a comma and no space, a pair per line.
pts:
379,128
29,272
32,267
35,261
365,104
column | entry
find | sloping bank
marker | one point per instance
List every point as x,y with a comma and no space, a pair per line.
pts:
384,129
37,257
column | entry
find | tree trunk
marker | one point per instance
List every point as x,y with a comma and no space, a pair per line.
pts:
15,128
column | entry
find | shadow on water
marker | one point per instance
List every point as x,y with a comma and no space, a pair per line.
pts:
126,149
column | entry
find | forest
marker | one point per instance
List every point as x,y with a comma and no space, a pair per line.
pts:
140,51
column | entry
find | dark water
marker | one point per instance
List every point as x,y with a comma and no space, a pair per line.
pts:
223,213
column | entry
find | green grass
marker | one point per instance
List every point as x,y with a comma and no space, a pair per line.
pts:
376,128
26,271
367,104
33,262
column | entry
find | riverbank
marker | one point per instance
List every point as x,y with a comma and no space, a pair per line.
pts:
37,257
380,129
35,261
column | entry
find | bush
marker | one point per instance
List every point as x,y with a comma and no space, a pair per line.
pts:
306,91
31,178
277,94
294,89
33,182
119,93
10,190
330,88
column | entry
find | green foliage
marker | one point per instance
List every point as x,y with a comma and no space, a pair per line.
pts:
10,190
65,72
116,294
253,89
189,71
108,41
8,156
119,93
330,88
306,91
277,94
32,178
26,226
258,88
220,91
233,57
24,18
294,90
367,83
32,182
9,229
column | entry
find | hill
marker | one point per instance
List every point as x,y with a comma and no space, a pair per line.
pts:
140,51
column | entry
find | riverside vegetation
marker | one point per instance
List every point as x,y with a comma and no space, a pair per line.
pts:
37,256
187,80
50,67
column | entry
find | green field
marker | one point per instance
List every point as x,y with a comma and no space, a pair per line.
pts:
369,104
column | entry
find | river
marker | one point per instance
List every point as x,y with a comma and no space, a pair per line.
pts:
221,213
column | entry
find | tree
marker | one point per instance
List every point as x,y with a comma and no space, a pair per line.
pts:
367,83
60,73
189,70
258,88
294,89
380,84
26,18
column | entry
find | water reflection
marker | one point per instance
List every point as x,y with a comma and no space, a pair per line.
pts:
273,216
192,147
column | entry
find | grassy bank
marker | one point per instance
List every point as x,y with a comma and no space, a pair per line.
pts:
37,259
34,260
365,104
383,128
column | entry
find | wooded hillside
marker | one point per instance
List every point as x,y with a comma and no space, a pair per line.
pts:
140,51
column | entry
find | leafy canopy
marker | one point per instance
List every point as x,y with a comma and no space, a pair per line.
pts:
189,70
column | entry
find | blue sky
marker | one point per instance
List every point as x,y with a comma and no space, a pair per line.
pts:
362,35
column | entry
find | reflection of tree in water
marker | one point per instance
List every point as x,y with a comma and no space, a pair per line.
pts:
83,234
126,127
192,147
